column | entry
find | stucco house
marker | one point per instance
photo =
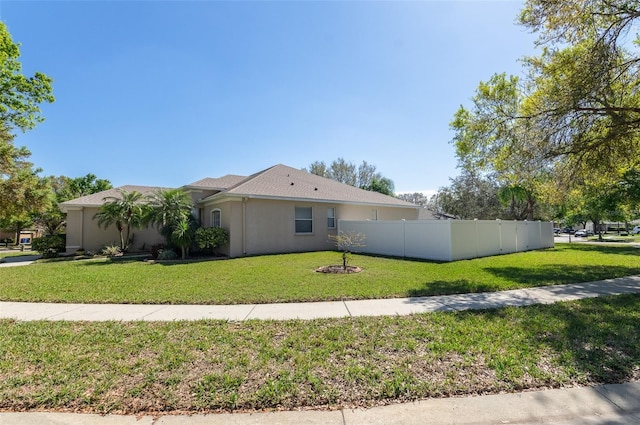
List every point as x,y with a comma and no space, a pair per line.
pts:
277,210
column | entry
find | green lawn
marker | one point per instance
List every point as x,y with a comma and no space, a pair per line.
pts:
208,366
15,253
292,277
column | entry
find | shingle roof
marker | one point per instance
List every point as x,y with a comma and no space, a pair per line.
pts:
97,199
220,183
277,182
283,182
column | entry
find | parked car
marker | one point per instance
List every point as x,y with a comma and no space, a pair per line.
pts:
635,230
568,230
557,230
581,233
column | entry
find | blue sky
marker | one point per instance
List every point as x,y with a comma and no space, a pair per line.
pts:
168,92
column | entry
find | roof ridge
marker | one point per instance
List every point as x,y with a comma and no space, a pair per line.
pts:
249,178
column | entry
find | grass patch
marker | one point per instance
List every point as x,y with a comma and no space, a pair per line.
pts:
15,253
292,277
209,366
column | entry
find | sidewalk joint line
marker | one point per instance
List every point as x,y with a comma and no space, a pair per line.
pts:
249,313
144,317
52,317
348,311
603,392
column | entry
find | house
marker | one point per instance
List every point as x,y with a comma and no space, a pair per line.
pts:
277,210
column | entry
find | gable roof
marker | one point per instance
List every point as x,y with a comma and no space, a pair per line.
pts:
283,182
97,199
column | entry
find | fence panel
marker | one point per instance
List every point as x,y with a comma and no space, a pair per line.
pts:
381,237
464,239
546,234
428,239
533,235
488,238
448,240
509,236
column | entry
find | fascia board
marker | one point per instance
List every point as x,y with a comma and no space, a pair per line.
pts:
235,196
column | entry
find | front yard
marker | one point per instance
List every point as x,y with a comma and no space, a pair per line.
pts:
210,366
292,277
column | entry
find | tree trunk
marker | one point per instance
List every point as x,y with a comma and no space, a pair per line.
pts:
18,232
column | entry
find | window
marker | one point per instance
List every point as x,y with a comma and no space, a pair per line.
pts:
304,220
216,218
331,218
374,215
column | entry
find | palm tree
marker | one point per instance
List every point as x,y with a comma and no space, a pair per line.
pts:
125,212
183,234
519,200
170,210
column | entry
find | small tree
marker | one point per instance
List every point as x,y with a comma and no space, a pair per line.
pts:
345,242
183,234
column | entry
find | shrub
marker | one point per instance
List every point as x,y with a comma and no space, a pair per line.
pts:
49,246
156,249
210,238
167,254
111,251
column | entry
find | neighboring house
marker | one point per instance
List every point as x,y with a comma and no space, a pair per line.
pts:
426,214
26,236
277,210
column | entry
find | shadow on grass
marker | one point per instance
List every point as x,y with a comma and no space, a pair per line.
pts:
602,248
392,257
450,287
560,274
598,337
96,262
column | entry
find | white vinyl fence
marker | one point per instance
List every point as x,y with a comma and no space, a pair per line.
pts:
449,240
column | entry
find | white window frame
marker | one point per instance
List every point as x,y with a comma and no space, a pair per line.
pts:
298,219
331,218
213,220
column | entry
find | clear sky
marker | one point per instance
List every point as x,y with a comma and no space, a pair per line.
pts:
168,92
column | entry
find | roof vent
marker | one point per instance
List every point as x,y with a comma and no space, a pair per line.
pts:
291,183
315,188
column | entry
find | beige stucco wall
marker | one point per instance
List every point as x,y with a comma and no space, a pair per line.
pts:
74,230
365,212
255,226
83,232
262,226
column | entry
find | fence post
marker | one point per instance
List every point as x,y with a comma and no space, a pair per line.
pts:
404,239
475,224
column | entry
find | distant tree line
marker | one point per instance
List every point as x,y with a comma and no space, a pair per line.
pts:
364,176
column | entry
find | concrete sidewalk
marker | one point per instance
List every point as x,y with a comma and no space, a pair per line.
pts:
617,404
305,311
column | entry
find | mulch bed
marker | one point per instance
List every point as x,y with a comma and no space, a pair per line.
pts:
336,268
